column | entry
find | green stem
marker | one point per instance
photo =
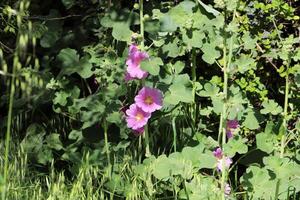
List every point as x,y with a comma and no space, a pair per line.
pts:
193,64
107,148
142,23
142,33
140,150
146,135
223,118
285,115
174,134
9,120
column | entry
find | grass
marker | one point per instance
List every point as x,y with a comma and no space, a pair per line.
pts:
28,184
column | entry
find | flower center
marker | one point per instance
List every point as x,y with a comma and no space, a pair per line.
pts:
139,116
148,100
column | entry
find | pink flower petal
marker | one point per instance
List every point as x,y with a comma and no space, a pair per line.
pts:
135,57
136,118
149,99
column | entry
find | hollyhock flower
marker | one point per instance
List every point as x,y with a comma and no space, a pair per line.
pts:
128,77
136,118
227,190
135,57
218,153
226,162
149,99
231,125
222,160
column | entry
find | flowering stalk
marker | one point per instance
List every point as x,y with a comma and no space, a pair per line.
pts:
222,128
146,136
285,115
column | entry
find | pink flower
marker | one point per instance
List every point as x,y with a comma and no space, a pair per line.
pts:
149,99
136,118
135,57
218,153
128,77
231,125
227,190
223,161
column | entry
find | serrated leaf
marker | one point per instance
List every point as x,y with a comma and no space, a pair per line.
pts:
152,65
245,63
251,121
121,31
248,41
172,49
193,38
68,57
272,107
236,145
209,90
256,180
210,54
179,93
266,141
54,142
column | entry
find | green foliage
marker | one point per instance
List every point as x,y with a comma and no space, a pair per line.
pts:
63,90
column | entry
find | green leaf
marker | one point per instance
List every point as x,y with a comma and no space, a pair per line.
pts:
114,117
172,49
251,121
152,65
256,180
84,68
245,63
236,145
207,160
49,39
54,142
68,3
248,41
272,107
75,135
210,54
266,141
217,103
121,31
61,97
68,57
72,64
210,90
178,67
179,93
209,8
178,16
44,156
180,165
193,38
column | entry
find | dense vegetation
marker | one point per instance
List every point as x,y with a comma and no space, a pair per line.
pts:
182,99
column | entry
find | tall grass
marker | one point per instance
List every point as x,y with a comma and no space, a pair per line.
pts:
28,184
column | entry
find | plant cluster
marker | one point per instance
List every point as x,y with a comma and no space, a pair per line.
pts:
183,99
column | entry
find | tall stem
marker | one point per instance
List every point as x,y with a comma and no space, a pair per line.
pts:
9,120
285,115
107,148
142,23
142,33
223,118
193,65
